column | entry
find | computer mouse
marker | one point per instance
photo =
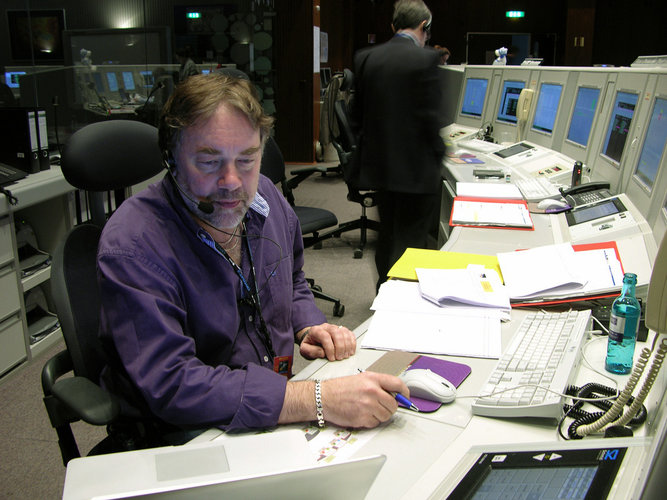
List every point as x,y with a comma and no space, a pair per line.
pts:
553,205
425,384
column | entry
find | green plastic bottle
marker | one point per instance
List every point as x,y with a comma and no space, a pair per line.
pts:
623,327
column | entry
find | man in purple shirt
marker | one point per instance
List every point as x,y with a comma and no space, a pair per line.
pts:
203,293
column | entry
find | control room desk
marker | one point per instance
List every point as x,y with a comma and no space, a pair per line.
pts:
424,450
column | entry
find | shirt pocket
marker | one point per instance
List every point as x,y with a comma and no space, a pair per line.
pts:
276,296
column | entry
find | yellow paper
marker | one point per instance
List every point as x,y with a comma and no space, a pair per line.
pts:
436,259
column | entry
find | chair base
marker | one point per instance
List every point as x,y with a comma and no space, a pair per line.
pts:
338,308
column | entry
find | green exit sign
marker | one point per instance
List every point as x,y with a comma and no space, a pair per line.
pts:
514,14
194,15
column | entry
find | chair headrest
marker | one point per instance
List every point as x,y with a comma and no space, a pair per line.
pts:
348,80
112,154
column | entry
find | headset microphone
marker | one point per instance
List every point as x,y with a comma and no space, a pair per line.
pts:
202,205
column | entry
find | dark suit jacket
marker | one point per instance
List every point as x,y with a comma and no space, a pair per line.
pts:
397,114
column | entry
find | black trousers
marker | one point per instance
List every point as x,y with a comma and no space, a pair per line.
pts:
405,221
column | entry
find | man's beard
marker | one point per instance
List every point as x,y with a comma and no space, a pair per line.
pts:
222,218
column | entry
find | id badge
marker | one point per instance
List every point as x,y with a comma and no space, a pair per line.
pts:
283,365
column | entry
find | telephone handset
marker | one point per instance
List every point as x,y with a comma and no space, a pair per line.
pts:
586,193
523,106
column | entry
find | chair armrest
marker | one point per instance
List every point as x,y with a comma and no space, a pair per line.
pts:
93,404
300,174
54,368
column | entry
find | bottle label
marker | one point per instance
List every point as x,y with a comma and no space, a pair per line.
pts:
617,328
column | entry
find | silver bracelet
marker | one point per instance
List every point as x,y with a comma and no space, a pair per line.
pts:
318,403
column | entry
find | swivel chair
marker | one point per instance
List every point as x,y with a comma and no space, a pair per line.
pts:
345,144
101,157
312,219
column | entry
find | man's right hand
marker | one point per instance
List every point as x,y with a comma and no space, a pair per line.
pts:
362,400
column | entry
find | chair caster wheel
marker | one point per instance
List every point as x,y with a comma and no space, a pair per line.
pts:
339,309
358,253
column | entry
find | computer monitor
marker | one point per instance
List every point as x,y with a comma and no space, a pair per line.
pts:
546,110
112,80
653,147
583,115
12,78
509,100
128,80
619,125
149,79
474,96
99,82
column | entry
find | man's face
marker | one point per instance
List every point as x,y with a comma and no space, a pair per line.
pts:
218,161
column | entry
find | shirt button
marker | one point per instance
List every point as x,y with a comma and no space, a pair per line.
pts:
266,359
250,318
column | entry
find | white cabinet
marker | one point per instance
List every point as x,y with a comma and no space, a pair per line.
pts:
44,202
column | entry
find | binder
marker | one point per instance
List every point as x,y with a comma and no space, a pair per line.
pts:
43,139
491,212
19,142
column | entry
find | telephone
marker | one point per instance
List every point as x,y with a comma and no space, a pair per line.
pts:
523,106
586,193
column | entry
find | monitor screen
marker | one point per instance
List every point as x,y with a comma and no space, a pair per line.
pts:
547,107
113,82
99,83
583,115
619,125
654,144
128,80
148,79
473,98
12,78
509,101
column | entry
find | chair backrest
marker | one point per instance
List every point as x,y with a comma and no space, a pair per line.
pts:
273,166
103,156
111,155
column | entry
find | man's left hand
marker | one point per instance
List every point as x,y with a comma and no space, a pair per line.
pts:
328,341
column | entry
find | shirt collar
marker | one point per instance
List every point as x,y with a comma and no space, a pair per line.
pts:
406,34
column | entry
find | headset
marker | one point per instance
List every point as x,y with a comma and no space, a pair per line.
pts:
203,206
427,28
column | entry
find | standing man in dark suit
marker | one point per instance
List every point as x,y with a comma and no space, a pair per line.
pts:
396,111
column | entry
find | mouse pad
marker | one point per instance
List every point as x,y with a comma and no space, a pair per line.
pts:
454,372
396,362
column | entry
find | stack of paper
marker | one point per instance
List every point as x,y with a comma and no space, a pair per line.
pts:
490,212
474,286
404,321
558,271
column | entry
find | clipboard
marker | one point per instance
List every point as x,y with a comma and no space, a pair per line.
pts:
491,212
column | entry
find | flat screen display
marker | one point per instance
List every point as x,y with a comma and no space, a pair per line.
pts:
99,83
654,144
12,78
619,125
509,101
112,80
474,96
583,115
149,80
128,80
547,107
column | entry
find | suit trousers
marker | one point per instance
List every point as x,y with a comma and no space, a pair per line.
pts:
406,219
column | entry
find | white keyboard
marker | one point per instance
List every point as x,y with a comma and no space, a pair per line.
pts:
544,352
536,188
479,145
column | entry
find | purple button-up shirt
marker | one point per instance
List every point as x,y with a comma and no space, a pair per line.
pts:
174,334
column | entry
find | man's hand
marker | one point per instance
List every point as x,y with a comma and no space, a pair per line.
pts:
363,400
328,341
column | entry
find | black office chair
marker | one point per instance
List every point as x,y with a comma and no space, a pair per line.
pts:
101,157
345,144
312,219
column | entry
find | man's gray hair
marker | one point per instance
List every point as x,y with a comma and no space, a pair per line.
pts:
408,14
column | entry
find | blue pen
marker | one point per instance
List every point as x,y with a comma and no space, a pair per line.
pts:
402,400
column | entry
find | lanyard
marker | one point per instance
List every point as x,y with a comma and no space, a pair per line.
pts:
251,294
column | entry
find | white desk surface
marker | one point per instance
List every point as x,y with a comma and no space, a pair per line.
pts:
36,188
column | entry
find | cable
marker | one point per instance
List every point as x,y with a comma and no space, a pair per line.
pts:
611,415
